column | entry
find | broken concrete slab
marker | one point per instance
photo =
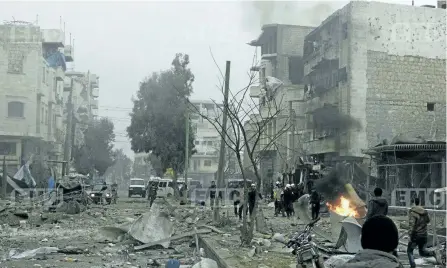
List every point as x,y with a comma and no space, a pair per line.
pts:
206,263
354,232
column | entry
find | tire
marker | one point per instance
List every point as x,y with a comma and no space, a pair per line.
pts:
143,195
130,195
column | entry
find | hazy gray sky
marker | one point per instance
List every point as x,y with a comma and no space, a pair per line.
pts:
123,42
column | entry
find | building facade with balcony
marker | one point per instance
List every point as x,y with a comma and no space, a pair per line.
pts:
32,67
204,163
380,64
281,62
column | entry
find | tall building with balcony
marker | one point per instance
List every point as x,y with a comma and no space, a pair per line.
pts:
204,163
32,66
281,58
381,64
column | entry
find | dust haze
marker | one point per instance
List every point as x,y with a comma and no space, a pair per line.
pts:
305,13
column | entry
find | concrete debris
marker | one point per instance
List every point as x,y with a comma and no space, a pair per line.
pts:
279,238
206,263
34,252
354,231
337,260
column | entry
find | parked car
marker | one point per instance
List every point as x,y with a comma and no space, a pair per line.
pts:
137,187
165,188
101,193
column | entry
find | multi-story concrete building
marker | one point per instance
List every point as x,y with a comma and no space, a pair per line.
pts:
84,90
204,163
32,66
381,64
281,58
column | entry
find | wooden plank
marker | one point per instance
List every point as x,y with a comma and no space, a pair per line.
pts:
176,237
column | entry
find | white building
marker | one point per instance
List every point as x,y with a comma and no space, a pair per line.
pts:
32,66
204,163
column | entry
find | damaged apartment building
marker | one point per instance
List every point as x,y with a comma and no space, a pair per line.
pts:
282,66
373,71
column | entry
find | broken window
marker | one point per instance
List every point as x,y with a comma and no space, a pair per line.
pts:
430,106
296,70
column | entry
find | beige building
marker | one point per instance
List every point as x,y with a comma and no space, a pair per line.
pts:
32,66
281,58
383,65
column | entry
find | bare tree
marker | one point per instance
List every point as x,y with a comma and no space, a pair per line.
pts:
242,109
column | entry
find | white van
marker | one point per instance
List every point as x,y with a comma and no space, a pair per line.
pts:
165,188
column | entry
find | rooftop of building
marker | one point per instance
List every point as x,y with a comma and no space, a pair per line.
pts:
267,29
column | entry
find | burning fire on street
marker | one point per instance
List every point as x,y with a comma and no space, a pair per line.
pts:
343,207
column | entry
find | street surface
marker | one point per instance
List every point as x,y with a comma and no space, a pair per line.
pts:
85,246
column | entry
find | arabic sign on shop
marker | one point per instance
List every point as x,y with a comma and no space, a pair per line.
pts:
403,197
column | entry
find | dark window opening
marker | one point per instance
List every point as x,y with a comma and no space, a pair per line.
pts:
8,148
342,75
296,70
345,30
430,106
15,109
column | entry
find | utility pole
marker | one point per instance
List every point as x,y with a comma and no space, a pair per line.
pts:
292,137
220,169
186,148
67,145
5,178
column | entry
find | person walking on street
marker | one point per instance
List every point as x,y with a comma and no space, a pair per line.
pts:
277,198
378,205
315,200
252,198
212,194
418,220
377,249
152,195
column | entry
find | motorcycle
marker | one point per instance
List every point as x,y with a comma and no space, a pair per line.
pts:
306,251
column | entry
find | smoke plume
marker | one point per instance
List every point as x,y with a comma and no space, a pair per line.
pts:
332,185
305,13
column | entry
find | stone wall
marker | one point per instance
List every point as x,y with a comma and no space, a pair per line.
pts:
399,88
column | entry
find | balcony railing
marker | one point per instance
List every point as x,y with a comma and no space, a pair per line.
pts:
320,146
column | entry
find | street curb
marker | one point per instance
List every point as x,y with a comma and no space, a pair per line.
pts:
223,259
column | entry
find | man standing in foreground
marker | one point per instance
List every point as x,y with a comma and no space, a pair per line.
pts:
417,230
378,205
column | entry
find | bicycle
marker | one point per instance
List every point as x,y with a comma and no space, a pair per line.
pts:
306,251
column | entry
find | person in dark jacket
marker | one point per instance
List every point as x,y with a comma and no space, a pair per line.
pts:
252,197
288,198
314,201
212,194
378,205
377,249
418,220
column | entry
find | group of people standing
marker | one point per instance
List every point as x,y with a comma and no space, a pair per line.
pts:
285,196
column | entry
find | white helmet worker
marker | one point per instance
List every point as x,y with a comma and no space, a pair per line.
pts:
287,185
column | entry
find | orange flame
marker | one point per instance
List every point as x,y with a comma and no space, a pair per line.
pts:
344,207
